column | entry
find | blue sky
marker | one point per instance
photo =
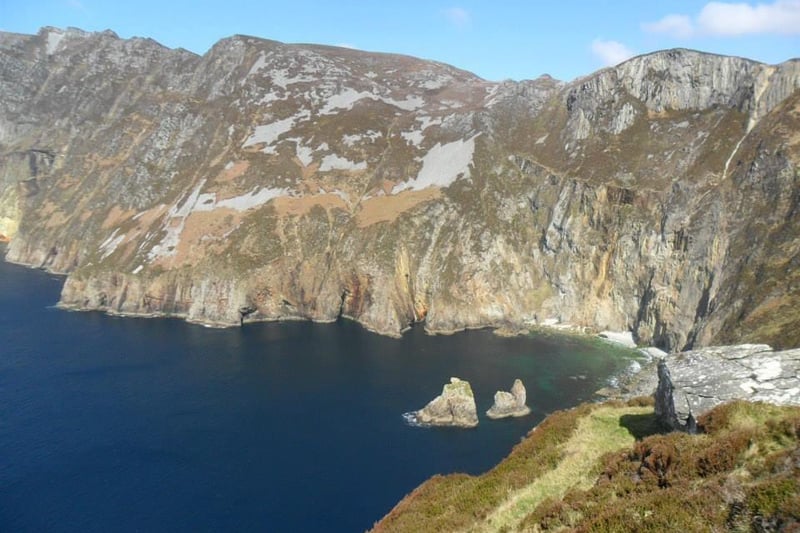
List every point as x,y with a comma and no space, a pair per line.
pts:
495,39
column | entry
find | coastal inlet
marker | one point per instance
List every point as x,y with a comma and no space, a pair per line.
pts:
172,426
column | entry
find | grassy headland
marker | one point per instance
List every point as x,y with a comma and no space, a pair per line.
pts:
608,467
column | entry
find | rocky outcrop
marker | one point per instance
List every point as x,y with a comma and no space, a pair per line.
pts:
569,472
664,407
511,403
454,407
704,378
300,181
20,173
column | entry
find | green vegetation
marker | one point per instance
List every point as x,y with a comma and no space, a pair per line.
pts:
596,434
608,468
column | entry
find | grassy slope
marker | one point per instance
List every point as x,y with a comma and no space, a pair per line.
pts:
606,468
597,433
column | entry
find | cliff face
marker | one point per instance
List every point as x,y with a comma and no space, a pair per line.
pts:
659,196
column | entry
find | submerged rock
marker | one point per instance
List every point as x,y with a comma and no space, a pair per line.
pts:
454,407
509,403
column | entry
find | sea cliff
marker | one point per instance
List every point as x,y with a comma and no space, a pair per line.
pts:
311,182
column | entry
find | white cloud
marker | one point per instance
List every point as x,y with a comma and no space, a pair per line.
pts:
611,52
727,19
347,45
719,18
458,17
676,25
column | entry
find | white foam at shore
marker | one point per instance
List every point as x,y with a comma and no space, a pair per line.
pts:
652,352
625,338
411,419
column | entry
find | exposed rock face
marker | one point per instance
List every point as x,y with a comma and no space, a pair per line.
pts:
509,403
664,399
658,197
30,164
454,407
705,378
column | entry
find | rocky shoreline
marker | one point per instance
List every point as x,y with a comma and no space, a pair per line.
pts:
703,378
711,376
359,191
503,327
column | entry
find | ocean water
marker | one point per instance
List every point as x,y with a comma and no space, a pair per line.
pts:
122,424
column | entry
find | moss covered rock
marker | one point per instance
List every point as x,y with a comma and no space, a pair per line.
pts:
454,407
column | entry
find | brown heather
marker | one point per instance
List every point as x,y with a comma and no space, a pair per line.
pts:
741,474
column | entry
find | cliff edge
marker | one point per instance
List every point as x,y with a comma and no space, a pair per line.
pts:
611,467
299,181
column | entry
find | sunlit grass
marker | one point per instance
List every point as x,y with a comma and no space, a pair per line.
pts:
597,433
607,468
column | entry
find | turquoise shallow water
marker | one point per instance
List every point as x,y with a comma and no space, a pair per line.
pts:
120,424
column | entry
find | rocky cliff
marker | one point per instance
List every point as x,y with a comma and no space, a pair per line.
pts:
699,380
297,181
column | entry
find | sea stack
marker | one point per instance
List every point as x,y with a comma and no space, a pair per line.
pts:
454,407
510,403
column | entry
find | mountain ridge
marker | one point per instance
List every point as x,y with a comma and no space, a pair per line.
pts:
657,196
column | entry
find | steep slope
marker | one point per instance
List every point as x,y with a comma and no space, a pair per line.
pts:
282,181
607,468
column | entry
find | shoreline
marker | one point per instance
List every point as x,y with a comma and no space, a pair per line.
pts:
568,330
620,339
637,378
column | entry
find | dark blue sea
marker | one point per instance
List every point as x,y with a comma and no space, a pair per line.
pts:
122,424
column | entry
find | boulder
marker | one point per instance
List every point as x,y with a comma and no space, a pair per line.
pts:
510,403
704,378
454,407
